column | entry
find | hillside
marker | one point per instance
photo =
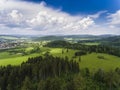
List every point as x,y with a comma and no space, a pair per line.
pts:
73,37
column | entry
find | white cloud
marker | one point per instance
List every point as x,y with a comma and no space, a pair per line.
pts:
39,17
15,15
114,19
19,17
97,15
47,21
13,19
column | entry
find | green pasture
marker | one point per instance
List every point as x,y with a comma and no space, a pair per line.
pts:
90,61
94,63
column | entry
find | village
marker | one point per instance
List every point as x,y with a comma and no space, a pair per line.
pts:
10,44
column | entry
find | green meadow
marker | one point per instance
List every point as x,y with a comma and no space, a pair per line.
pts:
90,61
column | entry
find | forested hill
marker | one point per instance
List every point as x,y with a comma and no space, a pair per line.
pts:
48,38
73,37
29,74
86,48
54,73
111,41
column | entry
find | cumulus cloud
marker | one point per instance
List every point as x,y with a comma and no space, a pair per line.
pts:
48,21
16,16
39,17
20,17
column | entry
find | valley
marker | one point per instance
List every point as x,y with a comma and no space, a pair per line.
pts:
24,49
63,62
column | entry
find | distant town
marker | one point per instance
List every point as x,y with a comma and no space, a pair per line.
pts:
7,44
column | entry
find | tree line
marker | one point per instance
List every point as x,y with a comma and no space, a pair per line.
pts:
30,73
55,73
85,48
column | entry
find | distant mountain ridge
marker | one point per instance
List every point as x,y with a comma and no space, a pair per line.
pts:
57,37
53,37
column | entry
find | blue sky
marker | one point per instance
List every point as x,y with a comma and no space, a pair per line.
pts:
82,6
53,17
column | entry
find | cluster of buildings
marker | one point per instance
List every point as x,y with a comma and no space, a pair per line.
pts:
7,45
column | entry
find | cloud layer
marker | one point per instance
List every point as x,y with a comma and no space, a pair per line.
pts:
115,18
18,17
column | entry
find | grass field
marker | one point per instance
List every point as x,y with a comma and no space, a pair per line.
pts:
58,52
7,57
90,61
15,60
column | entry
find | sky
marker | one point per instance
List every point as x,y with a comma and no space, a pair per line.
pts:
59,17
